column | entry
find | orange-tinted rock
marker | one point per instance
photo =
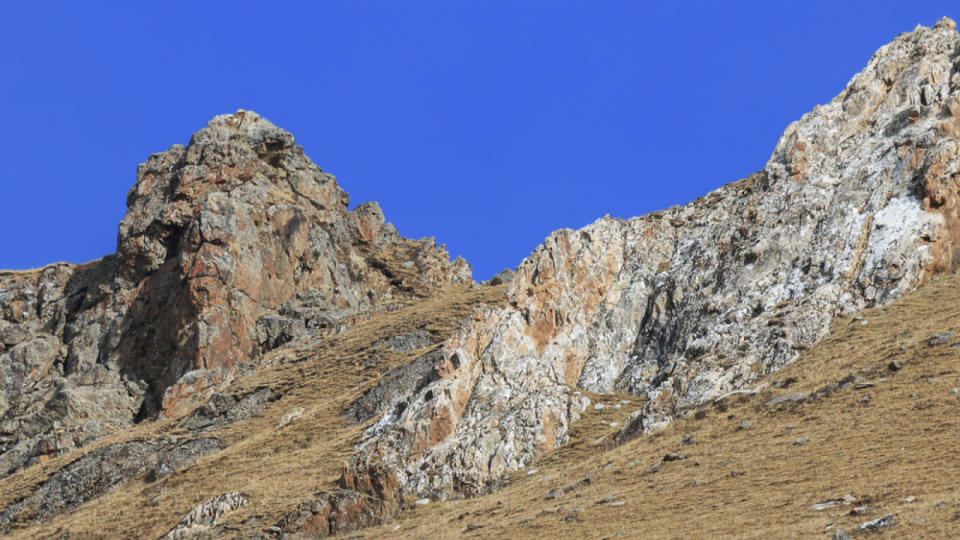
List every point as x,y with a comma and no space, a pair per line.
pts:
226,241
859,203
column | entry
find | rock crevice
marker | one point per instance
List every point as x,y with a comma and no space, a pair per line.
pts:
857,205
232,246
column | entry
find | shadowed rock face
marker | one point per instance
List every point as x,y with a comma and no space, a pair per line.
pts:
231,246
858,204
100,471
237,244
364,497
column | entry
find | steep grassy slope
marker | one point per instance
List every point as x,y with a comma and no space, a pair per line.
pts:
276,466
890,445
748,472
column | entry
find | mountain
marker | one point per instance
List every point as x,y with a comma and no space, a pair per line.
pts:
257,360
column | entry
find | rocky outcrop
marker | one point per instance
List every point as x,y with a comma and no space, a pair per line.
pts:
858,204
232,245
365,497
395,389
222,409
202,521
57,391
237,249
102,470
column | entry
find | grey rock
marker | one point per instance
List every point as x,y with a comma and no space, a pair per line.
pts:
879,523
553,494
411,341
787,398
840,534
939,339
863,510
276,330
200,522
12,335
504,276
393,393
895,365
708,296
746,424
222,409
100,471
801,441
832,503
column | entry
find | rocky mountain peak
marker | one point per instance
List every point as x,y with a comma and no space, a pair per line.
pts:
231,246
232,153
238,256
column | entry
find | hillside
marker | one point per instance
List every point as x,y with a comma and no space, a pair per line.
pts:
878,426
273,461
259,360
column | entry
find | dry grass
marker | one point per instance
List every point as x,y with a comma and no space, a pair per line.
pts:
276,467
898,444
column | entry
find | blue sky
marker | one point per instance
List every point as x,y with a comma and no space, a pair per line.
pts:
485,124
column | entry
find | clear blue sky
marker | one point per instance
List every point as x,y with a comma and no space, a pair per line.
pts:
485,124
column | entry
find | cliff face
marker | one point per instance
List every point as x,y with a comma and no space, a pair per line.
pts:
232,246
239,265
857,205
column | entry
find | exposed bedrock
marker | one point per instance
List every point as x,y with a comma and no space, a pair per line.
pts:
232,245
857,205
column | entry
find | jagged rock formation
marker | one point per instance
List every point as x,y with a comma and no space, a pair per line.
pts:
237,252
858,204
103,470
232,246
201,522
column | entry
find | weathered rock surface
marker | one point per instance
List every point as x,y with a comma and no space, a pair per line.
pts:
504,276
393,393
222,409
236,245
201,522
859,203
364,498
232,245
100,471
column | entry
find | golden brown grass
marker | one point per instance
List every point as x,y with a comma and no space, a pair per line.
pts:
899,443
276,467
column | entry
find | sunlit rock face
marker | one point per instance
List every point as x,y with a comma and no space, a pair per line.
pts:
857,205
231,246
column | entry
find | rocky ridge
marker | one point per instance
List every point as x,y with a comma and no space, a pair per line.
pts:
232,246
237,251
857,205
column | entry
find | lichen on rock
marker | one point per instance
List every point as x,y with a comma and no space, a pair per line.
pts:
857,205
232,245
